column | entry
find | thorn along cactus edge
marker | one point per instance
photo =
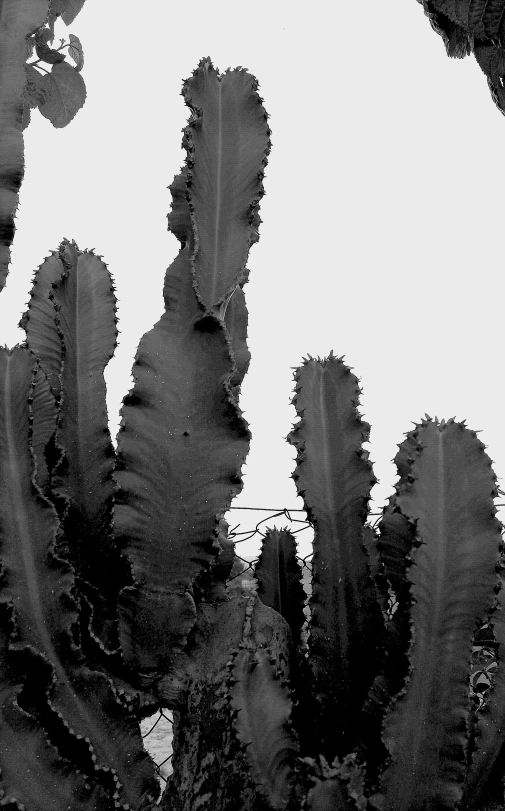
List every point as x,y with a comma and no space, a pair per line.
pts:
114,565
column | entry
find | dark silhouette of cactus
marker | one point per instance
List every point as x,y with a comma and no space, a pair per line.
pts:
115,565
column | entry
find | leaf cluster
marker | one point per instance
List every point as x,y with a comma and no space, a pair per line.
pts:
59,92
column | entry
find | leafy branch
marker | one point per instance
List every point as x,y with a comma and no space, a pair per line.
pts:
59,92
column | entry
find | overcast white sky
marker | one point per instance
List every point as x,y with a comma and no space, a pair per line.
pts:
382,233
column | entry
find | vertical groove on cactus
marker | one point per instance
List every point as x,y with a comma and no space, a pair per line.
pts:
87,323
334,478
448,495
228,142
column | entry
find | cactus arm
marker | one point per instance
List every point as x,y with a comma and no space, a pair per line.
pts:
279,579
87,324
228,143
449,498
18,19
334,478
181,445
76,707
71,326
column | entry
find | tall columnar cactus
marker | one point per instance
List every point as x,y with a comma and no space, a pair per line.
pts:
113,597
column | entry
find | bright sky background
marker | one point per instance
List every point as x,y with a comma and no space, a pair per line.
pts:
382,233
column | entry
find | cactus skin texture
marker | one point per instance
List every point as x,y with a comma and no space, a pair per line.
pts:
114,564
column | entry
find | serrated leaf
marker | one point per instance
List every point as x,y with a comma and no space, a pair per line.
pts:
76,52
47,54
44,35
66,94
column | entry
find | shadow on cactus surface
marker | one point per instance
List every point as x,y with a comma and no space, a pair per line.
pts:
115,596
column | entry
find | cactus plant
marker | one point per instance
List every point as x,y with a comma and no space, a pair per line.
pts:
113,590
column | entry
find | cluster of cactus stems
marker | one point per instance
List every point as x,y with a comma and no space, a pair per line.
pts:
114,564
